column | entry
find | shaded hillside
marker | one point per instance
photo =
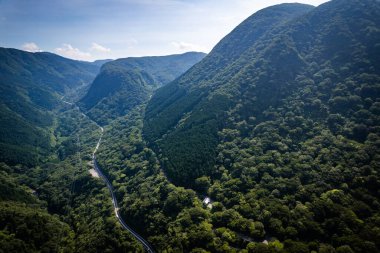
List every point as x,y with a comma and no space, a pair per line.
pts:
286,134
279,126
196,104
44,69
24,225
125,83
329,54
30,87
57,206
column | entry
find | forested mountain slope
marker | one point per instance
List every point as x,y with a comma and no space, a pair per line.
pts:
24,225
283,136
31,85
300,71
48,200
56,205
126,83
278,126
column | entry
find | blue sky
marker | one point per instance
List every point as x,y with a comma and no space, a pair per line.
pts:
95,29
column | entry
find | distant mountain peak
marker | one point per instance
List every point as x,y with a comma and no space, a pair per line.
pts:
255,71
125,83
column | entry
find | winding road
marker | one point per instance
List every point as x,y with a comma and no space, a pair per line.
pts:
146,245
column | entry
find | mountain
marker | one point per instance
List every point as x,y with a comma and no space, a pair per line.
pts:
125,83
326,60
44,184
279,126
101,62
268,144
196,104
44,69
31,85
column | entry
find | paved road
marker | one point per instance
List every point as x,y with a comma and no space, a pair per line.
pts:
146,245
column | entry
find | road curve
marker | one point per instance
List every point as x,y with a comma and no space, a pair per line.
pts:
146,245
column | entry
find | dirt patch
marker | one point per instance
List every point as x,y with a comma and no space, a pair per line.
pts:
93,173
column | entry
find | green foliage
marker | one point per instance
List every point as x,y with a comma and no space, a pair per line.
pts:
10,190
126,83
61,188
287,129
29,88
171,218
292,73
26,229
43,70
196,104
278,125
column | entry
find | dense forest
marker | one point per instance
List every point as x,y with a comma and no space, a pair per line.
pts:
49,202
270,143
56,206
126,83
30,88
283,133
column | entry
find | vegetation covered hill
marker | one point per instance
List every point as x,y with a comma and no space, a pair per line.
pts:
278,125
48,200
126,83
283,136
196,104
31,85
56,206
319,68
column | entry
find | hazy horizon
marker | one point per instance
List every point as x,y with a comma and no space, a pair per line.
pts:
89,31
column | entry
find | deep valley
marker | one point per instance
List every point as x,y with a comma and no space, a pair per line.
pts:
269,143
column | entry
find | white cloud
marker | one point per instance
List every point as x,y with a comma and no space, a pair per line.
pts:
69,51
99,48
31,47
184,46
